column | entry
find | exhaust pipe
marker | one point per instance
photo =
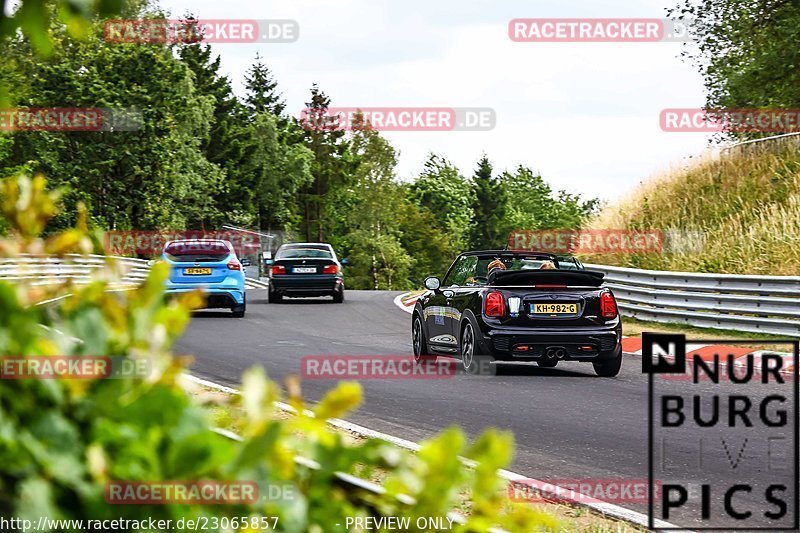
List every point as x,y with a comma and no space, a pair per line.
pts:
555,353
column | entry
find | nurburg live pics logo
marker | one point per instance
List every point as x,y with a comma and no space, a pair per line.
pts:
722,447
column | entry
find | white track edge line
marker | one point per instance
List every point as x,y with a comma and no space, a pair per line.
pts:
601,507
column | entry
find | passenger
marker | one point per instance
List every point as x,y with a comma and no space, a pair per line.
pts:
548,265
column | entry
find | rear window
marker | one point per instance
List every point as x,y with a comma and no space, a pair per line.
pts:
302,252
197,251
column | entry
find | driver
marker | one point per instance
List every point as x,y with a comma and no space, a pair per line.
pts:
495,264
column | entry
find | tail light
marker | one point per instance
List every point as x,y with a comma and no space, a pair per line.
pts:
494,305
278,269
330,269
608,305
234,265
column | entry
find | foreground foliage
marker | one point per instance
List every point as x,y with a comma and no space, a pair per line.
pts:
61,441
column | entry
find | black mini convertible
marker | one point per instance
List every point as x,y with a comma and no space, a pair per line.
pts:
518,306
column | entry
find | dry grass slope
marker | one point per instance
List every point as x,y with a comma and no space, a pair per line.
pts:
737,213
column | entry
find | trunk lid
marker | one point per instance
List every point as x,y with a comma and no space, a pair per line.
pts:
304,266
198,262
542,298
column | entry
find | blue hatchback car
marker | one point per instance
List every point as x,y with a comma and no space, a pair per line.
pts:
210,265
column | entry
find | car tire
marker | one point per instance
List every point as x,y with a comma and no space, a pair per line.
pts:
547,363
274,297
475,363
419,343
239,310
609,367
338,296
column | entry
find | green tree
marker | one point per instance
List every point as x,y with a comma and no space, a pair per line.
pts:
746,51
445,193
262,90
278,172
332,166
377,257
424,241
227,142
154,177
531,204
488,209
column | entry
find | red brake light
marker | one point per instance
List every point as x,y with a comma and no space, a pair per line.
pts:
608,305
494,305
330,269
234,265
278,269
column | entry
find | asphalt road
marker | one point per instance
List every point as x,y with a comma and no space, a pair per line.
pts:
568,423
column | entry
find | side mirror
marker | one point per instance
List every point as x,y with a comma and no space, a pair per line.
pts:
344,261
268,261
432,283
245,262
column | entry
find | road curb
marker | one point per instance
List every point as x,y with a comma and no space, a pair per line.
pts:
600,507
407,300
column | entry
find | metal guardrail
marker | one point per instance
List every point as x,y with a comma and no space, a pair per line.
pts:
762,139
762,304
46,270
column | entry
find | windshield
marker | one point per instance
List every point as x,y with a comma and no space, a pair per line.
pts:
196,251
303,252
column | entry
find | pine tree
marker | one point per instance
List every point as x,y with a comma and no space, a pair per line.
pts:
328,145
488,208
262,95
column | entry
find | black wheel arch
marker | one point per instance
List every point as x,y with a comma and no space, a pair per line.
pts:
480,342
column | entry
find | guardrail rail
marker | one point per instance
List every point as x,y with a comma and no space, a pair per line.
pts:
762,304
47,270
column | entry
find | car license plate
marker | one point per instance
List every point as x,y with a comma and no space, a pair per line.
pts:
304,270
555,309
197,271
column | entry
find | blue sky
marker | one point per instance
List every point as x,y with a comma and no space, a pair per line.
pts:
585,115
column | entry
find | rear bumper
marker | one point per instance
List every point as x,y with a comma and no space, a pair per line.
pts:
529,345
305,284
216,297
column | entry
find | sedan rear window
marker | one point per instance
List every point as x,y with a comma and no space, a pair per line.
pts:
301,252
197,251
